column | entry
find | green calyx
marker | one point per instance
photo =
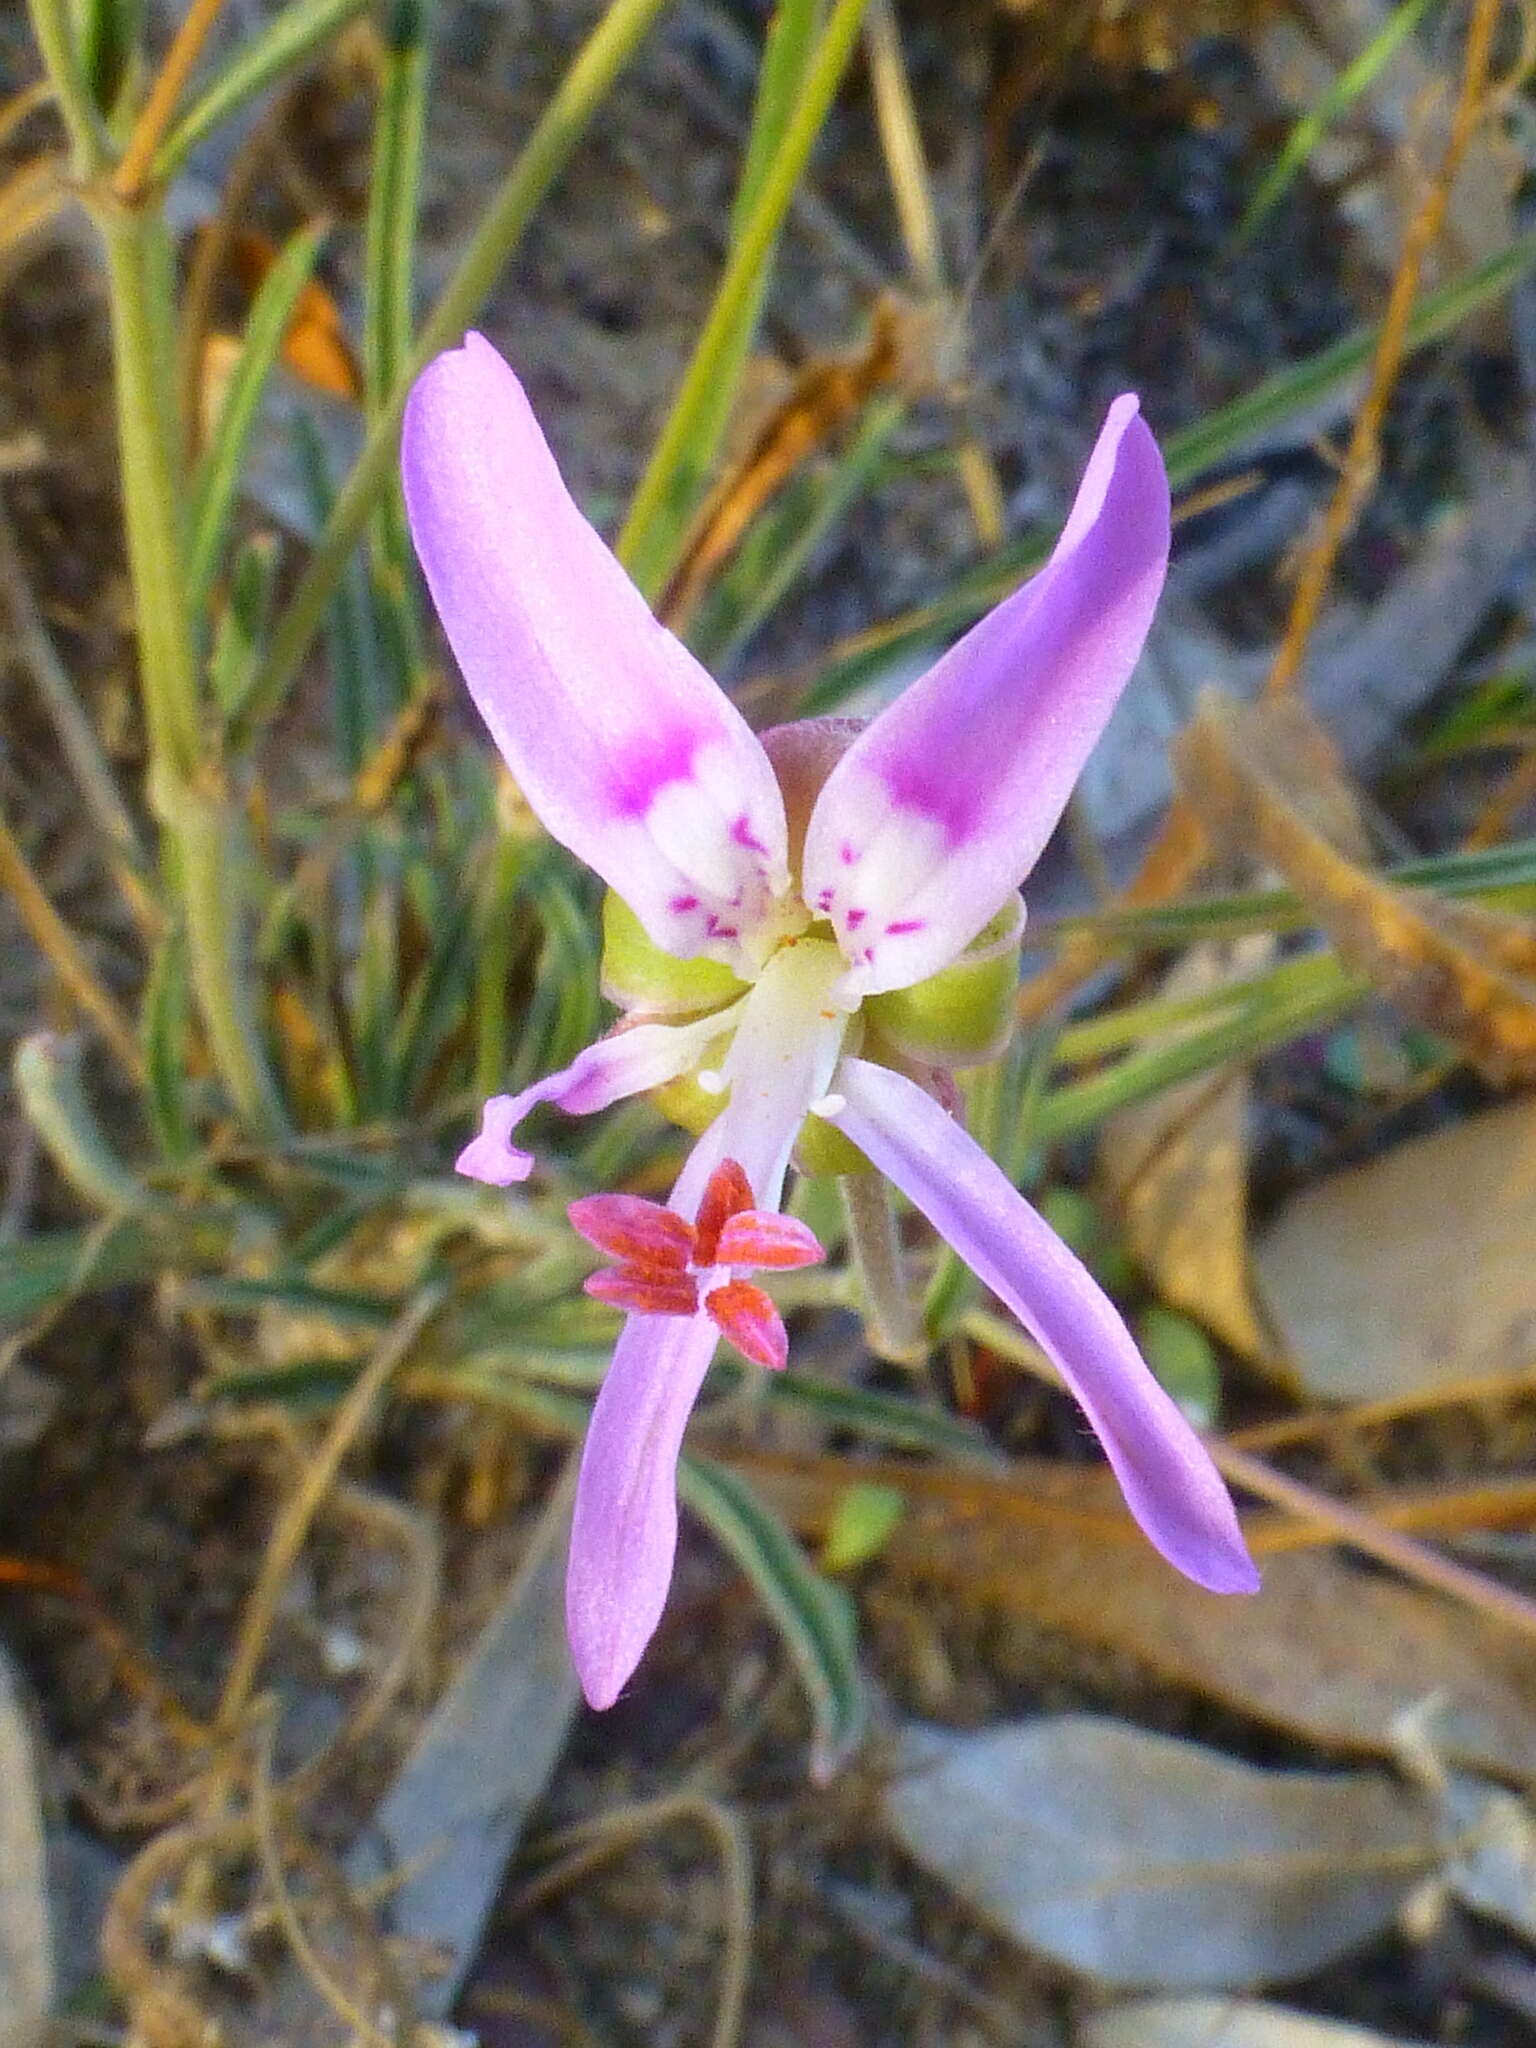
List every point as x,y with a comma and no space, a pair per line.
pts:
638,975
962,1016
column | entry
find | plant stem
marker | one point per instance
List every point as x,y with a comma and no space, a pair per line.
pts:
186,786
134,168
55,36
890,1313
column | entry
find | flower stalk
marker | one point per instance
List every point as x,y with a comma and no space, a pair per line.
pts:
891,1319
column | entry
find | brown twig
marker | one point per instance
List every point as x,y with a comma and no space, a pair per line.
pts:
293,1526
591,1843
1358,476
56,942
134,166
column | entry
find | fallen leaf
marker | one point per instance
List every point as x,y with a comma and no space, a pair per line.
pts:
1144,1860
1220,2023
26,1942
1375,1295
1257,775
1494,1872
442,1837
1175,1168
1327,1651
823,401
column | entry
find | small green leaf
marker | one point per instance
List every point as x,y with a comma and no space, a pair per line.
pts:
863,1522
218,473
816,1619
1183,1361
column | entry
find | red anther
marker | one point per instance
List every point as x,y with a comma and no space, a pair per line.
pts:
728,1193
630,1227
757,1237
644,1291
744,1314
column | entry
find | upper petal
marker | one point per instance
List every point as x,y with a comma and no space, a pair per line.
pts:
938,811
624,1529
1168,1480
617,737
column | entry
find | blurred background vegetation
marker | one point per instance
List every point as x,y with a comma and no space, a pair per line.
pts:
821,305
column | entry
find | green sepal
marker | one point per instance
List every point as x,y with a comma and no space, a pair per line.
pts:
962,1016
638,975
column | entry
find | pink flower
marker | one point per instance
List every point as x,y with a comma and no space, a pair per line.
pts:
806,877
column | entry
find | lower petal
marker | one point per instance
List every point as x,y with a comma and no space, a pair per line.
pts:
626,1062
624,1530
1169,1482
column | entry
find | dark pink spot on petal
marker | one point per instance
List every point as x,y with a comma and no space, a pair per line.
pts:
727,1194
759,1238
846,854
681,905
643,769
854,919
743,835
629,1227
714,929
825,900
643,1292
902,926
745,1315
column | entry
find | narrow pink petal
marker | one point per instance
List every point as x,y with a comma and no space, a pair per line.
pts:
644,1290
630,1227
624,1531
626,1062
778,1243
618,739
745,1315
1169,1482
941,807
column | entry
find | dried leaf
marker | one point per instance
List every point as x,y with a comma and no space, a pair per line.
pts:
1175,1169
1144,1860
1255,774
1330,1653
1372,1293
316,347
1220,2023
824,400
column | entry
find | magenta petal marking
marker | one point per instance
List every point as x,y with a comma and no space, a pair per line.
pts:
745,1315
624,1530
763,1240
940,808
1169,1482
630,1227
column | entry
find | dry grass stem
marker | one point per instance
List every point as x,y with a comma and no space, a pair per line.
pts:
1358,476
131,176
594,1842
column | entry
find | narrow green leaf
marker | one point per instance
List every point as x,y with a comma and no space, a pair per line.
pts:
217,478
1341,95
1255,1027
279,48
165,1028
815,1619
680,461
